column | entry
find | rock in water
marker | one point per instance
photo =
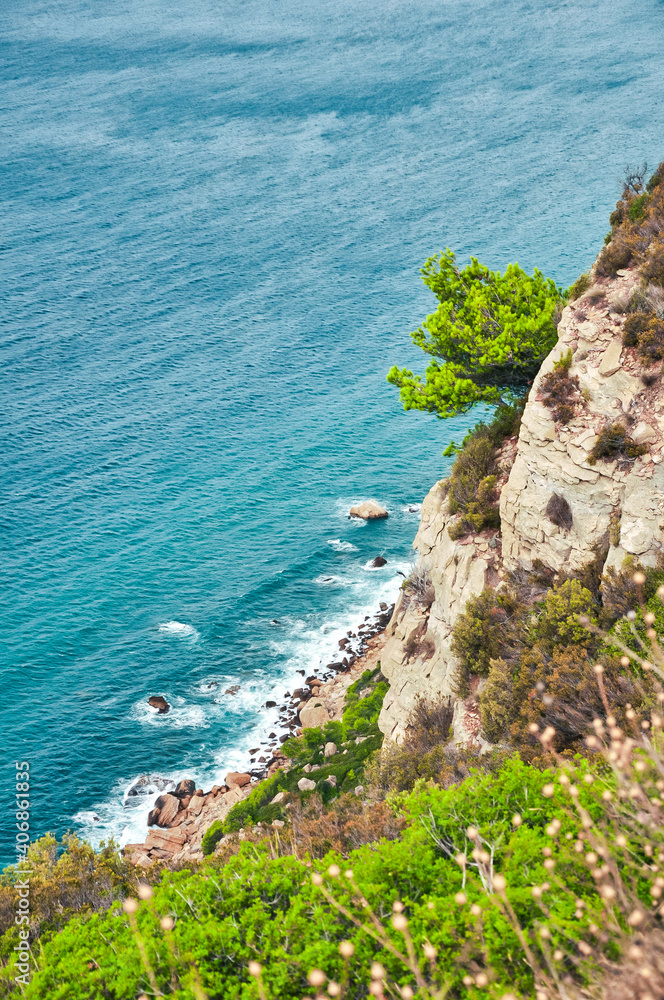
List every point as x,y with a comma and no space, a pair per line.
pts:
236,779
185,788
368,510
379,561
159,702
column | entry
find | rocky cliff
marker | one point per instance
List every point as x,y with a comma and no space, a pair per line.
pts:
612,505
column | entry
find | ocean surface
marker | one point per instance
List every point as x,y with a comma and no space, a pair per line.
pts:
212,220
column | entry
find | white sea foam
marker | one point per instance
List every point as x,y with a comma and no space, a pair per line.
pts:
340,546
180,629
181,714
377,569
325,580
304,647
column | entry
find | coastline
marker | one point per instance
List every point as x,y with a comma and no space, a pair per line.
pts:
181,818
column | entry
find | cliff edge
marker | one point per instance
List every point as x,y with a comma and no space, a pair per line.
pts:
583,482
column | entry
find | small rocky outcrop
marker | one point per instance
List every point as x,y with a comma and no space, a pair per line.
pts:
237,779
185,788
165,810
159,702
378,562
368,510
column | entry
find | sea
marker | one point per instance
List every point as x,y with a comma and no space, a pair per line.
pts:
212,219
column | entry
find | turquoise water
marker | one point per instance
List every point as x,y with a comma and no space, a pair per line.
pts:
212,222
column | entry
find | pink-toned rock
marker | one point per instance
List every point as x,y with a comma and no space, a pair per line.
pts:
196,805
137,855
368,510
236,779
165,840
168,807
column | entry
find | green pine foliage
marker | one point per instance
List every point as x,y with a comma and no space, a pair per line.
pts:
487,337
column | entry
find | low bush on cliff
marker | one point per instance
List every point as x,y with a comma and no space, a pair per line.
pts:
472,481
357,737
614,443
490,624
487,338
561,391
645,331
636,229
423,754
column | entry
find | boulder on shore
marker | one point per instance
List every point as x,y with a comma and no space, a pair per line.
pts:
159,702
237,779
185,788
368,510
306,785
312,716
168,807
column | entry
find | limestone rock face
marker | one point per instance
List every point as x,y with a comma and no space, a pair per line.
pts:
368,510
417,659
616,505
624,496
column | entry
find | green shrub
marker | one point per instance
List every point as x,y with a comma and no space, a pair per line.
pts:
614,442
497,706
481,633
472,481
581,285
615,256
558,624
645,331
637,209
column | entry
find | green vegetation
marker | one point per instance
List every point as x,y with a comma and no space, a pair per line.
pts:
364,700
473,478
487,338
645,331
475,875
581,285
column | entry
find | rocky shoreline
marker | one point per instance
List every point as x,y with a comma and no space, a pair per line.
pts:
182,814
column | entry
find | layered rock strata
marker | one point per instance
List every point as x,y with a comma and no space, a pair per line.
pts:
613,509
617,504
